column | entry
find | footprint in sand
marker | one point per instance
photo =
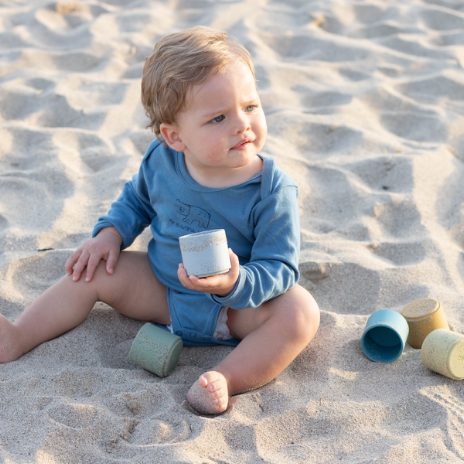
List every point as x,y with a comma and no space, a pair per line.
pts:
75,415
162,430
142,403
152,411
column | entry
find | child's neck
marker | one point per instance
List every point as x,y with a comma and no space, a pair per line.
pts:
224,177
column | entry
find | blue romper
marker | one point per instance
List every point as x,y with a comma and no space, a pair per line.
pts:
260,217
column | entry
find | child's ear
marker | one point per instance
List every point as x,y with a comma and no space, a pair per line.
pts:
170,134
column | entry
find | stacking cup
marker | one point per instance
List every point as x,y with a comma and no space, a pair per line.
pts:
205,253
443,352
423,316
384,336
156,349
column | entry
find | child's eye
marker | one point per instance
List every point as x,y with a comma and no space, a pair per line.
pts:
218,119
251,108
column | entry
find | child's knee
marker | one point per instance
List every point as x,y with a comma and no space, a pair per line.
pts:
303,313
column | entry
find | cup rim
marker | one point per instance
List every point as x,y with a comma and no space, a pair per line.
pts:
400,345
432,301
198,234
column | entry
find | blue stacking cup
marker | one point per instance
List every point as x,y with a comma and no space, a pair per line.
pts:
384,336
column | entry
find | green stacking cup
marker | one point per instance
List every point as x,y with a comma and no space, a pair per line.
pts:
156,349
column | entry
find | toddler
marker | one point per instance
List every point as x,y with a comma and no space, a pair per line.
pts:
204,170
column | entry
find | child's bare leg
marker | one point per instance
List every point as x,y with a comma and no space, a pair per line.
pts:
132,290
272,337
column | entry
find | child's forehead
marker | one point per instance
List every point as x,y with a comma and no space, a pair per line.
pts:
220,85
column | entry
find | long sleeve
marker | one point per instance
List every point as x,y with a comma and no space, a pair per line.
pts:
130,213
273,265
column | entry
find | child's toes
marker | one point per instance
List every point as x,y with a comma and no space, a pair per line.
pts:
209,394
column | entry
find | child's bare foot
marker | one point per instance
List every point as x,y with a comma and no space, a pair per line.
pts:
9,349
209,394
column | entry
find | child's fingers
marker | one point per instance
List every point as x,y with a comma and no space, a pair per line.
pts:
71,261
220,284
92,264
113,256
212,284
80,265
182,275
234,262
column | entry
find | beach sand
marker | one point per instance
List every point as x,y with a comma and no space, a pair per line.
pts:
364,103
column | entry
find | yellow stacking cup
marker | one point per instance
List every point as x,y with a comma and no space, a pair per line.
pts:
443,352
423,316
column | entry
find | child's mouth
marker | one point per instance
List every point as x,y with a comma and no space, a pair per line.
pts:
241,145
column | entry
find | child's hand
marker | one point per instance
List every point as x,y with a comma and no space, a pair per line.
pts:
221,284
105,246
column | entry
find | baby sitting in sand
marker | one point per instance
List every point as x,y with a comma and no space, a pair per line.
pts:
203,171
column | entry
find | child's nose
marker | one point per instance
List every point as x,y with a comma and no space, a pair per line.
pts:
242,123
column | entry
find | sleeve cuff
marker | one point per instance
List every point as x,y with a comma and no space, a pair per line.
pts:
232,297
104,225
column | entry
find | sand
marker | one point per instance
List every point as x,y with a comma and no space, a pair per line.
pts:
364,102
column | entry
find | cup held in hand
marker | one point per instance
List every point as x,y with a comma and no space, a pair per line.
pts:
205,253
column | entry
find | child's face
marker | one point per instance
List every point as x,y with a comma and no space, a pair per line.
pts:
222,127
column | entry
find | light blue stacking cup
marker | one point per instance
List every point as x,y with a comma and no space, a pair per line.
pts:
384,336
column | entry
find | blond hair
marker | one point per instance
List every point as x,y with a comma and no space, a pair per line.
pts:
180,61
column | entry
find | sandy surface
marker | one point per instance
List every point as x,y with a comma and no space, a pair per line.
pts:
365,103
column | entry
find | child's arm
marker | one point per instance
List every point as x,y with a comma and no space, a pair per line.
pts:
130,213
126,219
